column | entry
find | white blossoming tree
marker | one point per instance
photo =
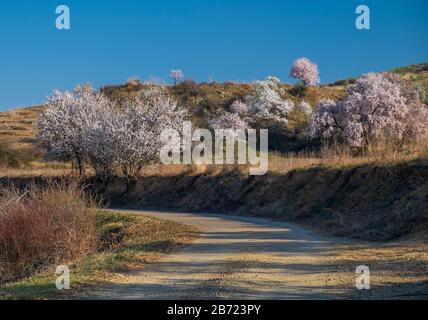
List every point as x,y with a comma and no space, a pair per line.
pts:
239,107
131,139
374,107
83,125
306,71
63,126
176,75
326,120
305,108
229,121
267,102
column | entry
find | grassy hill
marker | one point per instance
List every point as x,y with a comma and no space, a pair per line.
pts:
204,100
17,127
380,196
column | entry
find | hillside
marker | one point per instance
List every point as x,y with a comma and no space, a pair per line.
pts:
205,101
17,127
378,196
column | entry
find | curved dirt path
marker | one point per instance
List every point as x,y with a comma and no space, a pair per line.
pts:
238,257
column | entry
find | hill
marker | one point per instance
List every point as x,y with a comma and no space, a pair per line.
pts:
205,101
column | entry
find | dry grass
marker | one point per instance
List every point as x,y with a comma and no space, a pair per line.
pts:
38,169
339,156
43,226
333,157
125,242
17,127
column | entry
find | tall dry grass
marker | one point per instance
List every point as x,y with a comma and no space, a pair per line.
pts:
336,155
44,226
332,155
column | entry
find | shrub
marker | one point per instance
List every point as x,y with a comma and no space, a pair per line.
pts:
134,81
44,226
188,88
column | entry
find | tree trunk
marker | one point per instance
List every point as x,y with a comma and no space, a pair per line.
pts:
80,165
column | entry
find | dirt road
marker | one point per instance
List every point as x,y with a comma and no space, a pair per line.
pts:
250,258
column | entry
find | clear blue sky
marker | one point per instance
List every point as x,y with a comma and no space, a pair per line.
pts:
219,40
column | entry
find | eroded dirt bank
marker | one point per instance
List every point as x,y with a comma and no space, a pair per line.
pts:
366,202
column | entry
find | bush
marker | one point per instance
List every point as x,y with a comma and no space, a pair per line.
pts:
188,88
42,227
111,234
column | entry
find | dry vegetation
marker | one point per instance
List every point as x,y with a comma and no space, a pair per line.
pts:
370,202
337,184
42,226
54,224
380,195
17,127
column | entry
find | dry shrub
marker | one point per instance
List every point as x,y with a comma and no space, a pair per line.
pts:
44,226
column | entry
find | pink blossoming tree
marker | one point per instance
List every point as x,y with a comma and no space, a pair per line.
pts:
306,71
376,106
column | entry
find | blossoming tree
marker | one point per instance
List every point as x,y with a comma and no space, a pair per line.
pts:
305,108
326,120
306,71
239,107
131,139
63,126
267,102
84,125
230,121
376,106
176,75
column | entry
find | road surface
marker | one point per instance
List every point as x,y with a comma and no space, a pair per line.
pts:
238,257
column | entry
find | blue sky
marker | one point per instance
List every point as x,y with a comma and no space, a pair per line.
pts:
240,40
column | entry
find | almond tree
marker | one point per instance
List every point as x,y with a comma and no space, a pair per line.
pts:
306,71
326,120
131,138
230,121
63,125
239,107
376,106
305,108
267,102
176,75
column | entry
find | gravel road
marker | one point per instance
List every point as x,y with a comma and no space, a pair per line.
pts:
239,257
